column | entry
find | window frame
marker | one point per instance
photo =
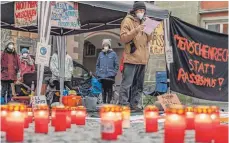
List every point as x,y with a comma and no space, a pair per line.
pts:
214,23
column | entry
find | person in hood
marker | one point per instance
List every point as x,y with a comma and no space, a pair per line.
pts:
106,69
9,69
26,63
136,55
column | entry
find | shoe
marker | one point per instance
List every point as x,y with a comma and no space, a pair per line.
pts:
136,109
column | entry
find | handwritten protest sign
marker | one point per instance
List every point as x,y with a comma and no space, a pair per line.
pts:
25,13
65,15
157,43
168,99
38,100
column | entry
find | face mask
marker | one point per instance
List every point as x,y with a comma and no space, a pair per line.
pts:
140,15
25,55
10,46
106,48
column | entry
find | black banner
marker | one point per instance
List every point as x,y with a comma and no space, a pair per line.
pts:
200,61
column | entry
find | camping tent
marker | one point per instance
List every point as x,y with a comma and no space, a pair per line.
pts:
94,16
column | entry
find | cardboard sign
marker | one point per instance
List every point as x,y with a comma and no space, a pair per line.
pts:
65,15
25,13
168,99
43,54
38,100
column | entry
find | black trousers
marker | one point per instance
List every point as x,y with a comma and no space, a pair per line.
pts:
132,83
107,86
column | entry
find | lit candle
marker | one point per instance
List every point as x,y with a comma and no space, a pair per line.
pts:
215,116
118,112
30,115
222,134
151,118
3,117
190,116
53,115
68,116
175,124
126,117
61,122
15,123
108,123
41,117
80,115
203,124
73,115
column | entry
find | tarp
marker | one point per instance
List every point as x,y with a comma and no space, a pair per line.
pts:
94,16
200,66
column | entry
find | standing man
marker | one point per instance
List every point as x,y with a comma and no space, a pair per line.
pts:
136,55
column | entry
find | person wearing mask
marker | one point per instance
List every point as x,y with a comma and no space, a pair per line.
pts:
26,63
9,69
136,55
106,69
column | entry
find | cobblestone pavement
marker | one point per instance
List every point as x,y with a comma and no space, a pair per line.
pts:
91,134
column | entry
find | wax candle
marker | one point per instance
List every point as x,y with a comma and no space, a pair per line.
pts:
190,116
61,122
4,111
80,115
151,118
203,124
53,116
41,117
68,117
73,115
175,124
15,123
30,115
118,112
126,117
108,122
26,121
221,134
215,116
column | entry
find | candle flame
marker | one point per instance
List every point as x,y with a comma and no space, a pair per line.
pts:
41,113
202,116
3,113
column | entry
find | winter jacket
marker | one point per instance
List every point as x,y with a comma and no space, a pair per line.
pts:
26,66
107,64
54,66
9,66
129,33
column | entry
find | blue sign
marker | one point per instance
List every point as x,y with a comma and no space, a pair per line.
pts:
43,51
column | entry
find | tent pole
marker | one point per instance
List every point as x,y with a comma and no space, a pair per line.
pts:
167,46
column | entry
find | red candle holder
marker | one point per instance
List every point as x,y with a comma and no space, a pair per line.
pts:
126,117
73,115
68,116
175,124
41,117
81,115
61,122
108,122
118,112
26,121
215,116
30,115
221,134
203,124
4,112
151,115
190,116
15,123
53,116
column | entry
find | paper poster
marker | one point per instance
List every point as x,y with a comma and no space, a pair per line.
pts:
150,25
38,100
65,15
168,99
43,54
157,44
25,13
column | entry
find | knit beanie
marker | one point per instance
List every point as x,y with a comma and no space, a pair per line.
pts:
139,5
107,42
